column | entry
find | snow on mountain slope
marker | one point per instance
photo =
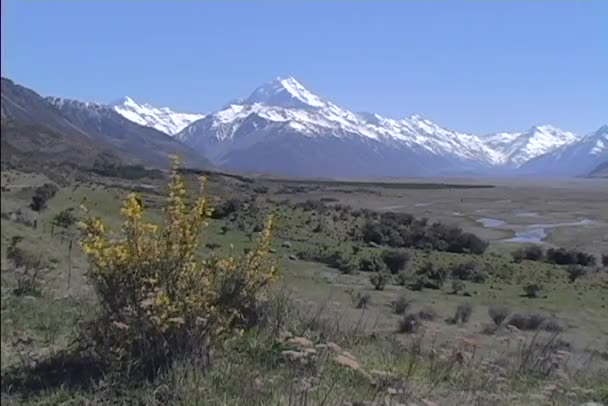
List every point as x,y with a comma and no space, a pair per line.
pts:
517,148
143,144
285,109
163,119
577,158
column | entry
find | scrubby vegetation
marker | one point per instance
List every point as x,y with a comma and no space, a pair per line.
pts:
42,195
132,172
403,230
531,253
65,218
562,256
183,326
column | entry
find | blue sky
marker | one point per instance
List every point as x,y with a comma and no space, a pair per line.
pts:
477,66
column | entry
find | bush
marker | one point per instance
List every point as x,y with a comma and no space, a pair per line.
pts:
379,280
409,324
27,267
372,264
401,304
360,300
563,256
499,314
428,314
531,253
226,208
605,259
346,266
65,218
42,195
533,290
434,276
417,283
528,322
402,278
458,286
468,271
463,313
575,272
396,261
103,168
160,300
402,230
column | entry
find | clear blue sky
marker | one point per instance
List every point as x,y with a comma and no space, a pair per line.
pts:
476,66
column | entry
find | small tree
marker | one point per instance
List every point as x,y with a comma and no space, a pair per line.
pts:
533,290
575,272
160,298
42,195
458,287
395,260
410,323
65,218
463,313
401,304
499,313
379,280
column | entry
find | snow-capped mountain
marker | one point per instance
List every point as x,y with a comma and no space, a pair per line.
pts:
517,148
284,119
144,144
162,118
574,159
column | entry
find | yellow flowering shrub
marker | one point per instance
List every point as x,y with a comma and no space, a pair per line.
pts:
160,297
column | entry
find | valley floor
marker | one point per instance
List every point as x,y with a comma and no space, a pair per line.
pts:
358,350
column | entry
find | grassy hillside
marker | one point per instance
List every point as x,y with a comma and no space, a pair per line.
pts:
328,336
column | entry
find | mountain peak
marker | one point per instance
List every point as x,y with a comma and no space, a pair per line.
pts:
161,118
285,91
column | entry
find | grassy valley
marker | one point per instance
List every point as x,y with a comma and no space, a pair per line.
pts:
373,305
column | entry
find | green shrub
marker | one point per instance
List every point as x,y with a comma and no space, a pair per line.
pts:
396,261
533,290
575,272
563,256
533,322
402,278
103,168
226,208
463,313
427,314
434,276
27,268
379,280
401,304
531,253
499,313
458,287
372,263
42,195
360,300
65,218
468,271
409,324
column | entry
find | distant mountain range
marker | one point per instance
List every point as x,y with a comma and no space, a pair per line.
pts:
284,128
69,131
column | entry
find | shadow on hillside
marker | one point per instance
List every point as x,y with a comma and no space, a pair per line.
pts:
69,369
